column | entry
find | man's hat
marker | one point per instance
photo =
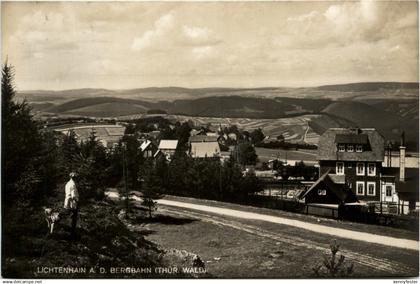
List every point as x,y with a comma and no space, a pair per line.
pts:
72,174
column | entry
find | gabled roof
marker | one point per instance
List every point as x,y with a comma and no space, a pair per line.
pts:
327,149
351,139
205,149
168,144
342,193
145,144
202,138
157,153
338,179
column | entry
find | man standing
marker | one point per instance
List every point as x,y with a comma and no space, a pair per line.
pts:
71,202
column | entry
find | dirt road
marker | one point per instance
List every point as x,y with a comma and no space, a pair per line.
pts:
390,267
336,232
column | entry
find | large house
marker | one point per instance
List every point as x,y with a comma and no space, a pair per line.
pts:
356,156
352,173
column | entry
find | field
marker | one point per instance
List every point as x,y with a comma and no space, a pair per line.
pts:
294,129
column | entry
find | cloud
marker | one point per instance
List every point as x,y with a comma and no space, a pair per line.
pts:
169,33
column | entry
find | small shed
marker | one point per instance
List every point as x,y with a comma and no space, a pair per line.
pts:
327,195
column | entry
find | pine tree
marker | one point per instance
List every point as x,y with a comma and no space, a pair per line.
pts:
151,188
21,146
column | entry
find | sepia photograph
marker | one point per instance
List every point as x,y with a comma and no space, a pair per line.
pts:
210,140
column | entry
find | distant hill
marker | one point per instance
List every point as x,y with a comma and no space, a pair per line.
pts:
229,106
389,124
369,86
109,109
361,91
90,104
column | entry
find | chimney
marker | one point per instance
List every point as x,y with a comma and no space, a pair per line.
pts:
402,163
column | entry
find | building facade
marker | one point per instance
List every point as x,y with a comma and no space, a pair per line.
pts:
356,155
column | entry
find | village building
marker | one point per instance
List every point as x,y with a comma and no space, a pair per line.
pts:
356,155
148,148
327,195
400,184
351,160
167,148
203,146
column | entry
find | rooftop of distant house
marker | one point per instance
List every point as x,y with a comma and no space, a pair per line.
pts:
205,149
168,144
202,138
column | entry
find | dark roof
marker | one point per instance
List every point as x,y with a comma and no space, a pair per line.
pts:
327,148
342,193
202,138
351,139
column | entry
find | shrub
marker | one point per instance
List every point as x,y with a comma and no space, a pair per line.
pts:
333,265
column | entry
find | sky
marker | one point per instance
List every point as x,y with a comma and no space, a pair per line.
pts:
123,45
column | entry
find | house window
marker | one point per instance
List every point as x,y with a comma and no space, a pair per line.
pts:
339,168
371,169
371,188
359,148
322,192
350,148
360,171
388,191
341,148
360,188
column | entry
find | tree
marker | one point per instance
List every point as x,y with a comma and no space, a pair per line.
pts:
257,136
182,133
246,154
134,160
151,188
94,161
21,147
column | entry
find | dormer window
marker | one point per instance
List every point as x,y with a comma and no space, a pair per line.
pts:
350,148
341,148
359,148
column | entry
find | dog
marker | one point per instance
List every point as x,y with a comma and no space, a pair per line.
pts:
51,217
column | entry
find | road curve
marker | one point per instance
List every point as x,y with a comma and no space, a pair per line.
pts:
322,229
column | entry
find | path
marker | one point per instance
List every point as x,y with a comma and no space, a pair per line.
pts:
373,262
322,229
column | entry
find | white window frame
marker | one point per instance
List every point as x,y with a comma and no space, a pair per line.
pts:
357,169
392,190
359,148
322,192
336,168
374,188
357,187
374,169
341,148
350,148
